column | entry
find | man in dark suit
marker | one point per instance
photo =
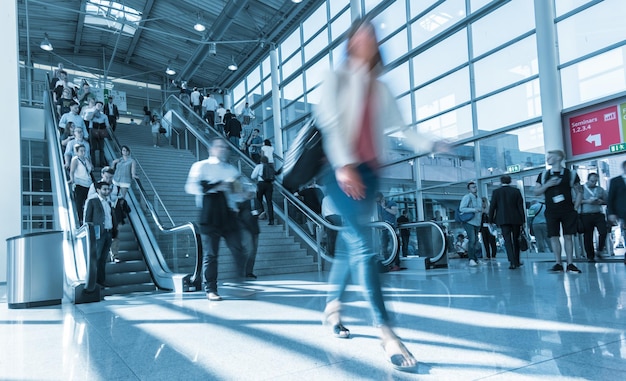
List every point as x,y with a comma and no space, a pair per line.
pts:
616,204
111,111
507,211
98,211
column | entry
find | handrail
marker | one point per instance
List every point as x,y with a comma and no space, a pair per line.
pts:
76,267
410,225
288,197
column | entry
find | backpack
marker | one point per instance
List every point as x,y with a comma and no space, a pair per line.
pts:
461,216
268,172
545,176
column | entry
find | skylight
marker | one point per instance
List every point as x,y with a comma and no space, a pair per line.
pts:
112,15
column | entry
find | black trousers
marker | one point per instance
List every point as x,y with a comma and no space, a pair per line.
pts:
265,189
210,249
594,221
511,235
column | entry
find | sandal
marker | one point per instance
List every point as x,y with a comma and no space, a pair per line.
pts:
399,357
332,318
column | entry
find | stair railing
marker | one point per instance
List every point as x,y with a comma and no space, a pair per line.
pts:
194,135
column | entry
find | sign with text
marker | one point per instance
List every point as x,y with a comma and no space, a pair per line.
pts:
595,131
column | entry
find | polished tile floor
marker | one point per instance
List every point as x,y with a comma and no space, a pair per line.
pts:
461,323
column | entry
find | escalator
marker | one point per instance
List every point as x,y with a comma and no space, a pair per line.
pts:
152,256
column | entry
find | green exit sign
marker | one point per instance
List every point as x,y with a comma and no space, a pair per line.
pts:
513,168
617,147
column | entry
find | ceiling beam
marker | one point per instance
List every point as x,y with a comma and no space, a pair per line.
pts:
133,44
224,20
78,35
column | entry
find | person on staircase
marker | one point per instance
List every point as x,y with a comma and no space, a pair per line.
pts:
125,171
106,176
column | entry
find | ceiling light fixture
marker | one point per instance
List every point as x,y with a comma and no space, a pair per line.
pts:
169,70
296,1
45,44
199,26
213,49
233,66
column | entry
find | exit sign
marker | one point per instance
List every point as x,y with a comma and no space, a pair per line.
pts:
617,147
513,168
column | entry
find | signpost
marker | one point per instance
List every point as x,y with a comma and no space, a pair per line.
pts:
595,131
513,168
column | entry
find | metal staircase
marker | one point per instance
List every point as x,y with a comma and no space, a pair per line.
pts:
166,168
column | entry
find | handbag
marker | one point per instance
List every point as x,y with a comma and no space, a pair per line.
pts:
100,133
523,240
305,157
162,130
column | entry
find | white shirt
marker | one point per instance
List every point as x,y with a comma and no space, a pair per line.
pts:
195,98
209,104
108,219
268,151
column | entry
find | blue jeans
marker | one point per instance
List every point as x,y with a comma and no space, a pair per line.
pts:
354,253
472,232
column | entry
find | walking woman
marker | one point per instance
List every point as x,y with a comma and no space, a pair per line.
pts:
80,177
124,171
354,110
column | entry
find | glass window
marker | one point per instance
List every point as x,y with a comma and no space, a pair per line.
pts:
290,45
369,5
390,19
313,98
564,6
239,92
314,22
443,94
459,167
293,90
254,78
510,20
316,45
512,106
436,21
441,58
398,79
509,65
395,47
267,108
594,78
337,6
254,94
453,125
315,74
523,147
267,85
406,108
290,67
340,25
266,67
339,55
592,29
418,7
477,4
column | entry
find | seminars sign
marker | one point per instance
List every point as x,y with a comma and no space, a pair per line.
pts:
595,131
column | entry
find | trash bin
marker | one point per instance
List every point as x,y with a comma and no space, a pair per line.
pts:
35,269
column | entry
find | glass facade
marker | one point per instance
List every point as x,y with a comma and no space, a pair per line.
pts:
462,70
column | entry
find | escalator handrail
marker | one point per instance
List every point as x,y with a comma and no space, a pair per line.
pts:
410,225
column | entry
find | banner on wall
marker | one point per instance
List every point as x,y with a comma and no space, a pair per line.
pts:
119,97
593,132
